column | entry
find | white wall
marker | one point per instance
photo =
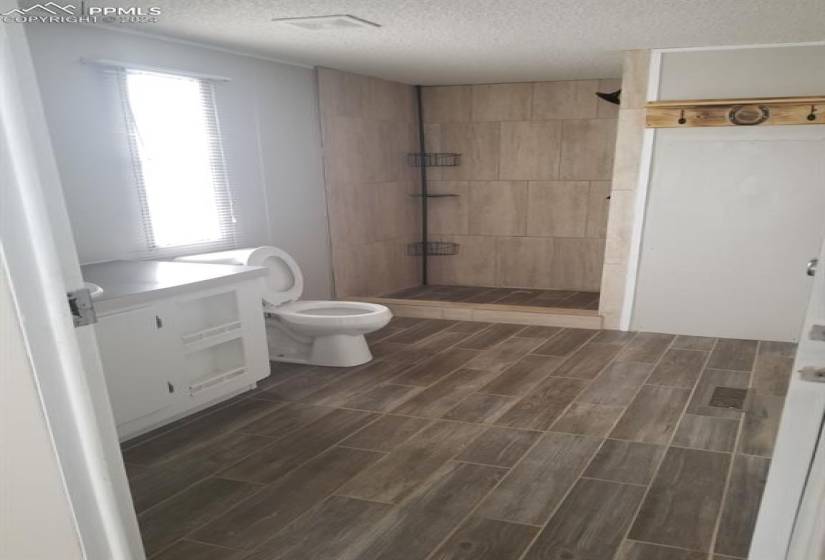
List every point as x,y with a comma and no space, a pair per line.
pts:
733,214
36,519
268,114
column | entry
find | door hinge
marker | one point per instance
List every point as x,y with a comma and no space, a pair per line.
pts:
82,308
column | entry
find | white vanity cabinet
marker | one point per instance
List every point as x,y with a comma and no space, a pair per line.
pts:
139,361
170,351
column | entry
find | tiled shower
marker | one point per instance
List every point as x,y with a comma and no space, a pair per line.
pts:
532,186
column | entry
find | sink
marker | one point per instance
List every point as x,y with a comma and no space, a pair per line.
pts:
94,289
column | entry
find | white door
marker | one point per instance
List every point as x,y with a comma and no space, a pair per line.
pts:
38,246
792,514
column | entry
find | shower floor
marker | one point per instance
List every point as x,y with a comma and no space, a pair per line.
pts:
565,299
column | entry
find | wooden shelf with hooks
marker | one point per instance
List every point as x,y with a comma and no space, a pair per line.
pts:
766,111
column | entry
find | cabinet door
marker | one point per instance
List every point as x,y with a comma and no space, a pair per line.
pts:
135,362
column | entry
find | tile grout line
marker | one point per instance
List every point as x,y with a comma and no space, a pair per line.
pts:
590,382
262,486
729,475
472,512
583,470
333,493
667,446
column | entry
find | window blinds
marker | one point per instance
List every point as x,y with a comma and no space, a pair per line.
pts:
178,162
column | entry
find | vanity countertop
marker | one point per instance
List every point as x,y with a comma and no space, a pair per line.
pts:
127,283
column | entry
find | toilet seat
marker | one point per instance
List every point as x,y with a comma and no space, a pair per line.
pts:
328,315
284,282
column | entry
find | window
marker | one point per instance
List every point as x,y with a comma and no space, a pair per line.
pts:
178,161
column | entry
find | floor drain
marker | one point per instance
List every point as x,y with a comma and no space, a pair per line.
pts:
728,397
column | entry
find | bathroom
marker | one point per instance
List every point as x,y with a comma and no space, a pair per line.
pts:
367,284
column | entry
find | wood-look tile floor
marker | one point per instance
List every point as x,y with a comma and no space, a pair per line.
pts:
476,441
503,296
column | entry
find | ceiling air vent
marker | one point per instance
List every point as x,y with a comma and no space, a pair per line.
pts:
316,23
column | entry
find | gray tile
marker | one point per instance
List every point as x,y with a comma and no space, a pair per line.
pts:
416,528
152,485
653,415
285,454
486,539
646,348
617,384
305,383
382,398
363,379
684,500
784,349
614,337
590,523
386,433
285,420
439,398
188,550
480,408
646,551
420,331
336,525
626,461
707,432
772,373
733,354
492,336
685,342
588,419
540,332
537,484
470,327
541,407
170,520
255,520
500,447
504,355
741,505
437,367
411,463
197,434
565,343
521,377
588,361
760,424
679,368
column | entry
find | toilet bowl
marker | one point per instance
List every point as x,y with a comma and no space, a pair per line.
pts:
318,332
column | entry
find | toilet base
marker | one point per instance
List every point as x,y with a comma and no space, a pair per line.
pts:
340,350
337,350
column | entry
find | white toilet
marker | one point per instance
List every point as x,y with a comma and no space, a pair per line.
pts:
324,333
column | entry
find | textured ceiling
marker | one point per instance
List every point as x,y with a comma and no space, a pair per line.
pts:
477,41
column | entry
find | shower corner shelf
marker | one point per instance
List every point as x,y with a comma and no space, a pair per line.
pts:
432,248
434,159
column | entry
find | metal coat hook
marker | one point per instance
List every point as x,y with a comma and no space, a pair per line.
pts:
682,119
812,114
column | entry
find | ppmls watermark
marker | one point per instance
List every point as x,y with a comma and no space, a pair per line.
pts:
53,12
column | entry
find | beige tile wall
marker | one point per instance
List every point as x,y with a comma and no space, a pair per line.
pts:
368,128
537,162
624,189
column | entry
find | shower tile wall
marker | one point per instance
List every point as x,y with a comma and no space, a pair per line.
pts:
537,160
368,128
